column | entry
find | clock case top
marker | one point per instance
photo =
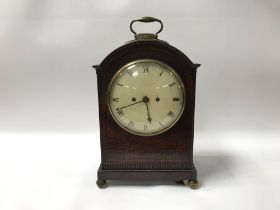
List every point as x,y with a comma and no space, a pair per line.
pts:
122,151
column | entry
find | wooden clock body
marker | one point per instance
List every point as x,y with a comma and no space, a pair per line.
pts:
166,156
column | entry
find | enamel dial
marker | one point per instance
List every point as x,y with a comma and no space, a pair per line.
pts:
146,97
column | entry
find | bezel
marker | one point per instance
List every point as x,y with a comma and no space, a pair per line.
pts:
146,61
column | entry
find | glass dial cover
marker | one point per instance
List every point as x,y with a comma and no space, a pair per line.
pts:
146,97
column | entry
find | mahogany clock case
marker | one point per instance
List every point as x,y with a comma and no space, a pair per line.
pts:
167,156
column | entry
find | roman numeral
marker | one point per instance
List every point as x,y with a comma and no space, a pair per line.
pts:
172,84
130,124
176,99
145,127
119,84
160,73
120,112
116,99
129,72
171,114
146,69
161,124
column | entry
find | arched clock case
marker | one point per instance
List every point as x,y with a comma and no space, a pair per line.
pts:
162,155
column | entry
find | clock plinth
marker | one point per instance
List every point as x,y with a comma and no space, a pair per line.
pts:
148,174
146,132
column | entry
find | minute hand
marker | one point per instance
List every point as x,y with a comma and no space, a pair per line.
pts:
129,105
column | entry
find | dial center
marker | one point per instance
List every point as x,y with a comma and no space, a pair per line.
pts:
146,99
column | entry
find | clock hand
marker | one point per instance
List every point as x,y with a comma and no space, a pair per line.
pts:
149,116
146,100
129,105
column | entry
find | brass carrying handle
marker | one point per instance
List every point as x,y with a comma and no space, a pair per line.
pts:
146,20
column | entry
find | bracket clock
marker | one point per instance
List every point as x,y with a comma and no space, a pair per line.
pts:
146,93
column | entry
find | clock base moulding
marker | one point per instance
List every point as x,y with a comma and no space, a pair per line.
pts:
186,175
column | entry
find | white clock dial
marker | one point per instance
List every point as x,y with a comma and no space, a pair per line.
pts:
146,97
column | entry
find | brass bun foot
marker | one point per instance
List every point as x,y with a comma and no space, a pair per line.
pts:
101,183
193,184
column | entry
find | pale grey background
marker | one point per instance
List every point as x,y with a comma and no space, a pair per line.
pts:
48,47
49,136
